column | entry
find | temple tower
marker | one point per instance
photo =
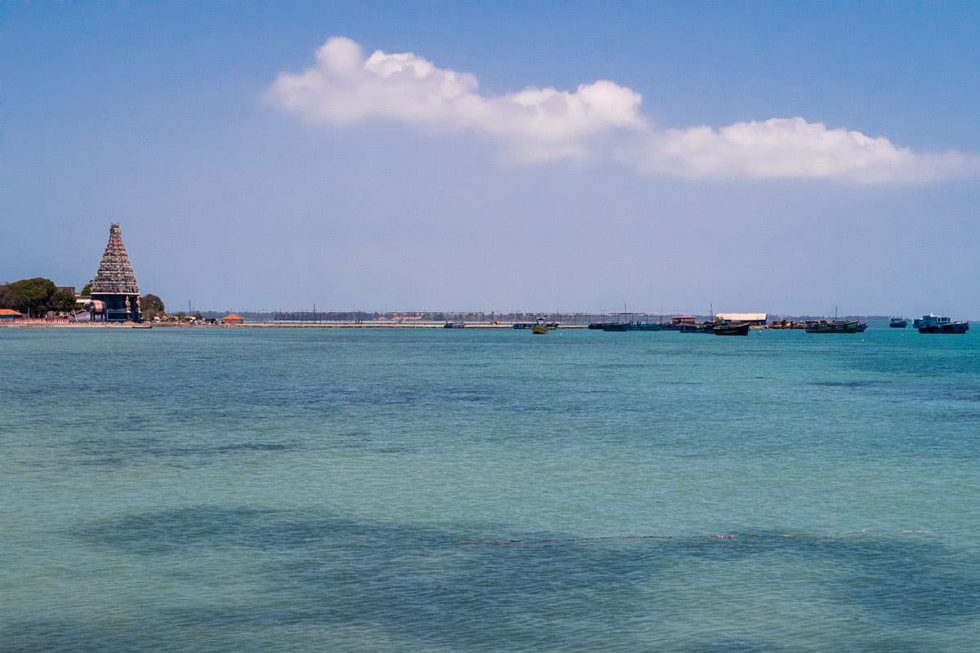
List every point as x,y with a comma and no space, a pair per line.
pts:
115,282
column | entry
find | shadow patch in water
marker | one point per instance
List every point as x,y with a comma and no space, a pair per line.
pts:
468,587
844,384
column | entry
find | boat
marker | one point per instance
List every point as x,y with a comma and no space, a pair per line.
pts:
898,323
785,324
633,326
453,325
142,326
704,327
940,324
836,326
731,328
649,326
540,327
615,326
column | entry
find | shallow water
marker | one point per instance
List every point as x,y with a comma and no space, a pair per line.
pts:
488,491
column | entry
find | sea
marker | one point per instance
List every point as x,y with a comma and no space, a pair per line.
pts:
488,490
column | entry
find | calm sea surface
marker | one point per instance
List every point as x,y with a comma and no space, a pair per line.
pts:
472,490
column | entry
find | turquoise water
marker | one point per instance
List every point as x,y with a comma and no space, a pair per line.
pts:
472,490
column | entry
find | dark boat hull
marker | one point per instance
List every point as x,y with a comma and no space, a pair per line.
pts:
695,328
954,327
837,327
633,326
615,327
732,329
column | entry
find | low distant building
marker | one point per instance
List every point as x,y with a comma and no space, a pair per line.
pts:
684,320
751,318
234,319
9,315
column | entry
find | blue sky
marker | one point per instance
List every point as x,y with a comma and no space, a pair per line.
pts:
785,157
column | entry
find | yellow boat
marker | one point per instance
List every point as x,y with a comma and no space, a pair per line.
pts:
539,329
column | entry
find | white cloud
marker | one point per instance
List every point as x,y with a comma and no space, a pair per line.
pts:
793,148
536,123
540,124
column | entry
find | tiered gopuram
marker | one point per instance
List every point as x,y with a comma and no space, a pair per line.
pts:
115,282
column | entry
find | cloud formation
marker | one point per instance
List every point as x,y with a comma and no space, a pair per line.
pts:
541,124
793,148
536,124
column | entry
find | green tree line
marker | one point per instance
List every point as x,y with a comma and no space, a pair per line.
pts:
39,295
36,296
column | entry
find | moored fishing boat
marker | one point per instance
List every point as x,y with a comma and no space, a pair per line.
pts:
650,326
731,328
634,326
836,326
704,327
615,326
940,324
898,323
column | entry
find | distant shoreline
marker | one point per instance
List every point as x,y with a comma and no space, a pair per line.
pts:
261,325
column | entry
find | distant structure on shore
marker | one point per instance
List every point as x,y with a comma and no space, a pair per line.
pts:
115,283
758,319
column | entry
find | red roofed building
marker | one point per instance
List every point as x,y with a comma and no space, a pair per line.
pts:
234,319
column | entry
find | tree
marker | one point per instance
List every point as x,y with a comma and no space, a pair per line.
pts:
87,290
62,301
30,296
152,306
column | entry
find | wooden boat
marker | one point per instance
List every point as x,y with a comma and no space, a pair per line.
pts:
704,327
731,328
940,324
649,326
539,329
836,326
898,323
633,326
627,322
615,326
952,327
